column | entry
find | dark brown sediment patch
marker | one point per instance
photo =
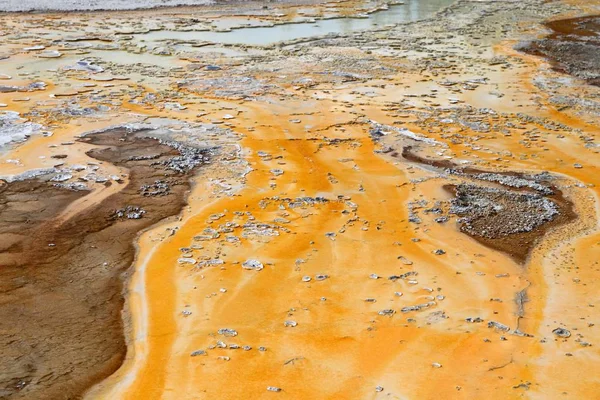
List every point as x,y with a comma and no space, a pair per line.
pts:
518,222
573,47
493,229
61,282
410,155
515,180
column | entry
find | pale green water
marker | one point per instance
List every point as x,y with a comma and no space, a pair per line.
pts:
412,10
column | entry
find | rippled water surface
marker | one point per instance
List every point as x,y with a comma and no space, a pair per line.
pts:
410,11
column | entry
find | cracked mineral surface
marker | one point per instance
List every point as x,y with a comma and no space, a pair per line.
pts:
359,199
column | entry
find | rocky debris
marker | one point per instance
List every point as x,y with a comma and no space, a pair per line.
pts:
493,213
85,65
93,177
189,158
435,317
76,5
305,201
227,332
14,129
158,188
378,130
290,324
387,312
144,157
210,262
499,326
75,186
473,319
538,182
129,212
230,87
405,275
257,229
405,260
562,332
413,215
519,333
49,54
573,47
198,353
417,307
210,233
61,177
34,86
252,264
274,389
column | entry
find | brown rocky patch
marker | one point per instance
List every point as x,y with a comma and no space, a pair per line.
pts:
573,47
508,220
509,212
61,282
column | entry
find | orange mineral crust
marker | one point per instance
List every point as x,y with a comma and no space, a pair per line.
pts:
355,200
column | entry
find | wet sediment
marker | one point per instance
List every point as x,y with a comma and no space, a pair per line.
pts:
61,281
508,220
573,47
507,211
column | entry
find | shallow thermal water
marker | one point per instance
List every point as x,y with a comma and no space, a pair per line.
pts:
412,10
72,5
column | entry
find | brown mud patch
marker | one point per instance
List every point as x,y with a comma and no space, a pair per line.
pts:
61,281
516,225
412,156
512,215
573,47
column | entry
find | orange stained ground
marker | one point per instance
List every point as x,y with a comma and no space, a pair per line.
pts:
341,347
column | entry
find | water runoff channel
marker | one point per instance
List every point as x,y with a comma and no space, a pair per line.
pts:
409,11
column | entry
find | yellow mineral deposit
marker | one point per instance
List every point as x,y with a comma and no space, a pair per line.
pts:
324,265
341,347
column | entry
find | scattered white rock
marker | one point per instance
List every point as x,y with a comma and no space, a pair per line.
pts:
227,332
252,264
